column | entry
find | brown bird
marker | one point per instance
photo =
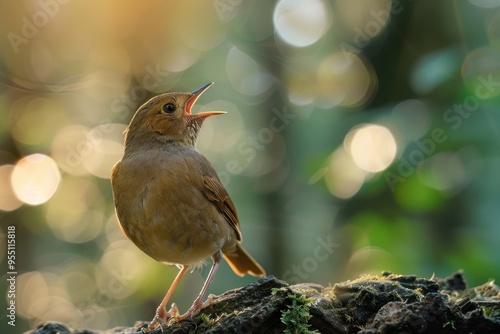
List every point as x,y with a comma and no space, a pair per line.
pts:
169,199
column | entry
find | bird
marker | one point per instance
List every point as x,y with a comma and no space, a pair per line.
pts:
169,200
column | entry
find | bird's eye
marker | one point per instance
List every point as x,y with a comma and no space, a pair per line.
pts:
168,108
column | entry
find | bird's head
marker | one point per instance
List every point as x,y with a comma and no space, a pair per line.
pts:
167,118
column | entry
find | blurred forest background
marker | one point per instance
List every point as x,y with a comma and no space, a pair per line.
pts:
361,136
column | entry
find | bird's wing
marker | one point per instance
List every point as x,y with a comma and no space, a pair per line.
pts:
215,192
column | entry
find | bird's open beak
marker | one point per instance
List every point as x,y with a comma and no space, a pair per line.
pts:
191,101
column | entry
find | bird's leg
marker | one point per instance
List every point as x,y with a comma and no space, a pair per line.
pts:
198,303
162,315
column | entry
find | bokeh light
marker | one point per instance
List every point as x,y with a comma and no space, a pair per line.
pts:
79,150
35,179
114,273
493,28
180,59
75,212
412,118
211,138
360,21
42,298
343,177
435,69
70,147
301,91
369,256
372,147
445,172
8,199
480,69
301,23
105,148
346,79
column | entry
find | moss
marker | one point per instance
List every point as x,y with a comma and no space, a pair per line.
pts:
419,292
207,321
297,316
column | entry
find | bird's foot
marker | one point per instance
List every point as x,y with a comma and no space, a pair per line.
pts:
197,306
162,318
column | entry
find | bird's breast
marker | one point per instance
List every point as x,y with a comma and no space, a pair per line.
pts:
164,212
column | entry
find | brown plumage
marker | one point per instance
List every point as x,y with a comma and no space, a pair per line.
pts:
169,199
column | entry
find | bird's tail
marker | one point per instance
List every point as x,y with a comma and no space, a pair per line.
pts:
242,263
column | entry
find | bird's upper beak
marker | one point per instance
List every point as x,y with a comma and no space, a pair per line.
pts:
191,101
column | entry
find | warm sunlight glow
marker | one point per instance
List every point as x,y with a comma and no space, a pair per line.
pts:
343,177
35,179
346,79
301,23
372,147
8,200
105,148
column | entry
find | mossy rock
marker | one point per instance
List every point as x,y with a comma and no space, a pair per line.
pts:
368,305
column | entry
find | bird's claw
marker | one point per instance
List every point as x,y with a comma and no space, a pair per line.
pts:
197,306
162,318
173,312
207,302
154,324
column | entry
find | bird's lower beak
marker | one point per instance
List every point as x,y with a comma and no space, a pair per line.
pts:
191,101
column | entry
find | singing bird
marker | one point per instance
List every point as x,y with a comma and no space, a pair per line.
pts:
169,200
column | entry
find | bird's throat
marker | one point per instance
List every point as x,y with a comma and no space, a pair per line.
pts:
193,130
